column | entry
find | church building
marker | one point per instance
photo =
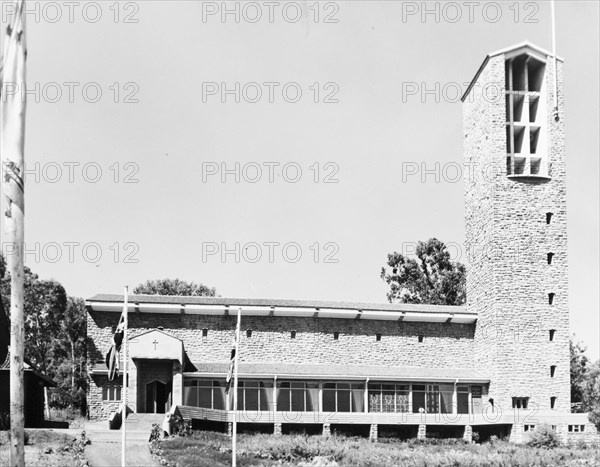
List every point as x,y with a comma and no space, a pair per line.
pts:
497,366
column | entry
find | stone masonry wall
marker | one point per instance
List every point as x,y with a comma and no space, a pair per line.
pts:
508,276
444,345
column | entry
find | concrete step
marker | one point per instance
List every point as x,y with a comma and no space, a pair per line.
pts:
115,436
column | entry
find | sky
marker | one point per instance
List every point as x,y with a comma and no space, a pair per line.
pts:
268,156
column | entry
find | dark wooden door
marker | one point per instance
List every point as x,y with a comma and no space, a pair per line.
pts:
156,397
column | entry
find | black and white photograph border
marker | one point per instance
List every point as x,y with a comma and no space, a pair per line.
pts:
313,233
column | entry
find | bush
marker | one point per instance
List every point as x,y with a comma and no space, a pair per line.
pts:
180,426
543,437
155,433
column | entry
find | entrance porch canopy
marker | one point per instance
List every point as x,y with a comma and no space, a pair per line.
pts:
156,345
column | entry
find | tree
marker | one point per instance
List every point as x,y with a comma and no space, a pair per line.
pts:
591,394
174,287
45,305
579,372
430,278
69,355
55,334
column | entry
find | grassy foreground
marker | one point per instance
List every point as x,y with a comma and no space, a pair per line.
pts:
47,449
214,449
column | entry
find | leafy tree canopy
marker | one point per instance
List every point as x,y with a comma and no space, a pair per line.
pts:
174,287
430,278
55,333
585,383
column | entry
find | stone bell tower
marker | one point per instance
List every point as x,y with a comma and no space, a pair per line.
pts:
516,227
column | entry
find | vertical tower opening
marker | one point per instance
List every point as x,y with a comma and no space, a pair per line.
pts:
552,370
525,118
552,402
551,336
549,217
551,298
550,256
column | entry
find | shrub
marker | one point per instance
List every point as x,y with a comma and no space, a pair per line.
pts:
180,426
155,433
543,437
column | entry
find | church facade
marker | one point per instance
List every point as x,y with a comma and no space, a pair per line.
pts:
497,366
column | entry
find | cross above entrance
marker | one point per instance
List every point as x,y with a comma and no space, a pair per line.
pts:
155,343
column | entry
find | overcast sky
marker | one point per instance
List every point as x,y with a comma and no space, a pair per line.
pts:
169,132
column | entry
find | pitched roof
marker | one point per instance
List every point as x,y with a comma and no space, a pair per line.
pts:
267,302
521,47
27,367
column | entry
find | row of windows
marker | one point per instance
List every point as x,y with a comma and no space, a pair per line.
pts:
571,428
303,396
111,393
293,333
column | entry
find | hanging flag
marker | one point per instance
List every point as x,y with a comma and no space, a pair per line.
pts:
229,378
233,361
112,357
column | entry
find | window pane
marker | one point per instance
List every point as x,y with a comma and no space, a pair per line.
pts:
204,397
283,399
343,400
298,400
329,400
463,403
104,393
266,395
218,396
418,400
433,399
374,401
312,397
402,398
388,403
358,400
251,397
446,398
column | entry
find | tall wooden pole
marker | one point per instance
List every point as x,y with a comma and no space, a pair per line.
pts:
124,386
12,150
235,389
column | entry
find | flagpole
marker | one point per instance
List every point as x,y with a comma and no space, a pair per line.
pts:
124,385
12,150
553,21
235,389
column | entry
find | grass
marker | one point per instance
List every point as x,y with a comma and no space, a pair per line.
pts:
214,449
47,448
